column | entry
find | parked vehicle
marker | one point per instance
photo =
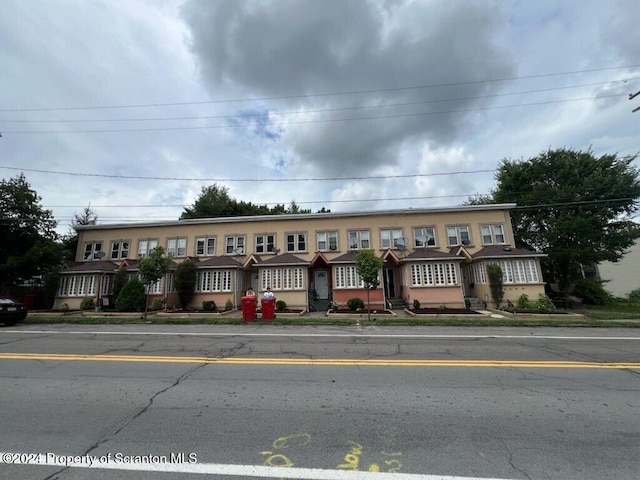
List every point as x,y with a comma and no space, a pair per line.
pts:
12,311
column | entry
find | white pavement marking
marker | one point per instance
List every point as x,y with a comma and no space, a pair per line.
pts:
95,462
311,335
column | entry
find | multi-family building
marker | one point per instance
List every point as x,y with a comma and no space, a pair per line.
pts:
437,256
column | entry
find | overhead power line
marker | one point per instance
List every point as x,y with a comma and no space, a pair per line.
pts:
323,110
322,94
303,122
200,179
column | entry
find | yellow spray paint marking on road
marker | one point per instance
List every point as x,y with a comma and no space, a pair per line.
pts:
320,361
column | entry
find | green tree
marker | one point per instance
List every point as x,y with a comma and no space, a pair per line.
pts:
496,283
119,281
185,282
132,297
368,267
573,206
28,242
151,269
70,240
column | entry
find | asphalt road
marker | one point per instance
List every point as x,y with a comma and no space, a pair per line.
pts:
192,402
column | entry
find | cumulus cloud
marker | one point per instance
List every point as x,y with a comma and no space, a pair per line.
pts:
294,48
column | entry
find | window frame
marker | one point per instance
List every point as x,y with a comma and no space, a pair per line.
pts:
328,238
392,238
294,246
94,247
492,235
268,241
424,233
178,251
148,246
207,251
358,239
458,235
237,241
120,250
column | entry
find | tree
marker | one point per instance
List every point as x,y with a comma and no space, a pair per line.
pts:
368,267
132,297
496,283
119,281
28,242
214,201
151,270
573,206
70,241
185,282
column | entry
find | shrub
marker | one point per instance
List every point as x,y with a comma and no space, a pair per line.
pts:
416,303
133,297
87,303
228,305
119,281
355,303
635,296
185,283
494,272
467,303
209,305
592,292
157,304
523,302
281,305
544,303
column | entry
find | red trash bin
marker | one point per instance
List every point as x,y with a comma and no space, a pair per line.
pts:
268,308
248,308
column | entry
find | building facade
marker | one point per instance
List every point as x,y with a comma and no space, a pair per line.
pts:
435,256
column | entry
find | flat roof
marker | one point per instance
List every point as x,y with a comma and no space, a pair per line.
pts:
299,216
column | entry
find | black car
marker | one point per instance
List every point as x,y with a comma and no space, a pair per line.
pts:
11,312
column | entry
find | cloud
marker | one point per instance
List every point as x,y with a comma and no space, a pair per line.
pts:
293,48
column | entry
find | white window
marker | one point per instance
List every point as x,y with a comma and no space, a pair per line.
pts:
532,272
213,281
120,249
77,286
389,237
434,274
359,239
171,287
424,237
205,246
519,275
296,242
91,250
492,234
458,235
514,271
347,277
176,247
327,241
234,245
507,272
146,246
286,278
156,288
265,243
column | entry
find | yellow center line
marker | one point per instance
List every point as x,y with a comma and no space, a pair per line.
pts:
318,361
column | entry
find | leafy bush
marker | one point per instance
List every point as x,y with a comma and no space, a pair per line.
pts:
157,304
228,305
209,305
355,303
281,305
87,303
185,283
416,303
133,297
635,296
592,292
544,303
119,281
494,272
523,302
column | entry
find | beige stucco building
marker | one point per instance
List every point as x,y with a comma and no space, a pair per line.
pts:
436,256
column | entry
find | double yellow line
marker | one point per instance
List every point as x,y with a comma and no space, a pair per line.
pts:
318,361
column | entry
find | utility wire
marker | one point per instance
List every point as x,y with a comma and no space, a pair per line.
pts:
303,122
308,179
326,94
324,110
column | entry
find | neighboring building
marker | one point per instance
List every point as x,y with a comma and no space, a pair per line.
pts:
622,277
437,256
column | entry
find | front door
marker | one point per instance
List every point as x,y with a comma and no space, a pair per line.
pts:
389,283
321,283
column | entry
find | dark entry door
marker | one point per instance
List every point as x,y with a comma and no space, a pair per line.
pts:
389,283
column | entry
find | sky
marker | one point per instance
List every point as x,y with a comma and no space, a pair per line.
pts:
131,108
